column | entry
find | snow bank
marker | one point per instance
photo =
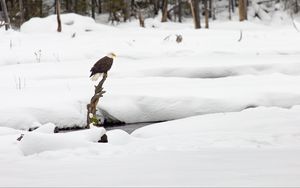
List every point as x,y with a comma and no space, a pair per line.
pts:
118,137
252,128
8,131
158,99
46,128
254,145
258,128
37,142
70,23
148,98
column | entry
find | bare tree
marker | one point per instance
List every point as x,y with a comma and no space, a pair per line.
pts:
195,12
92,106
76,6
206,14
126,10
99,6
210,8
179,11
21,7
164,11
242,10
232,4
58,15
68,5
40,4
6,17
229,9
141,19
93,8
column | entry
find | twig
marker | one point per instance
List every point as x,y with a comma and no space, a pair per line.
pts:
241,36
167,37
294,24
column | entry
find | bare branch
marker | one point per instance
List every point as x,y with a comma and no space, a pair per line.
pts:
241,36
294,24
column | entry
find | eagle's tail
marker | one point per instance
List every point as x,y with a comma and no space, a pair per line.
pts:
95,77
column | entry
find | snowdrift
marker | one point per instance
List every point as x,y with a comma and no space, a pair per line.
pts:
70,23
36,142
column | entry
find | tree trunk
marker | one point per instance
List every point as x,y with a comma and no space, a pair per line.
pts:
296,6
93,8
92,106
41,8
179,11
68,7
156,6
126,10
195,12
246,8
6,17
229,9
21,8
26,10
206,14
164,11
58,16
76,6
210,8
141,18
99,6
242,10
55,7
232,5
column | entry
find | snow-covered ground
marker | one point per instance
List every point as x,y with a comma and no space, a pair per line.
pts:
235,105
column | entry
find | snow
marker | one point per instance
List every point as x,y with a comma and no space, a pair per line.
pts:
145,64
118,137
46,128
233,106
36,142
257,127
240,148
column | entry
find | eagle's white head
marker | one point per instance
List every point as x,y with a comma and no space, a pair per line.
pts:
111,55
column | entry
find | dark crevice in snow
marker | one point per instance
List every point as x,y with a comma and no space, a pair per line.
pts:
251,106
257,106
108,119
129,128
68,129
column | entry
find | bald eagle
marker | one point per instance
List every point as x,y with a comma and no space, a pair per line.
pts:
103,65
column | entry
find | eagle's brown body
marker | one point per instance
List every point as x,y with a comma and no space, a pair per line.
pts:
103,65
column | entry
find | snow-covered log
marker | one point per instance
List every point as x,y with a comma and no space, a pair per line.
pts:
37,142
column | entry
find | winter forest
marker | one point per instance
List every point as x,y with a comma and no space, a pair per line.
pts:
156,93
